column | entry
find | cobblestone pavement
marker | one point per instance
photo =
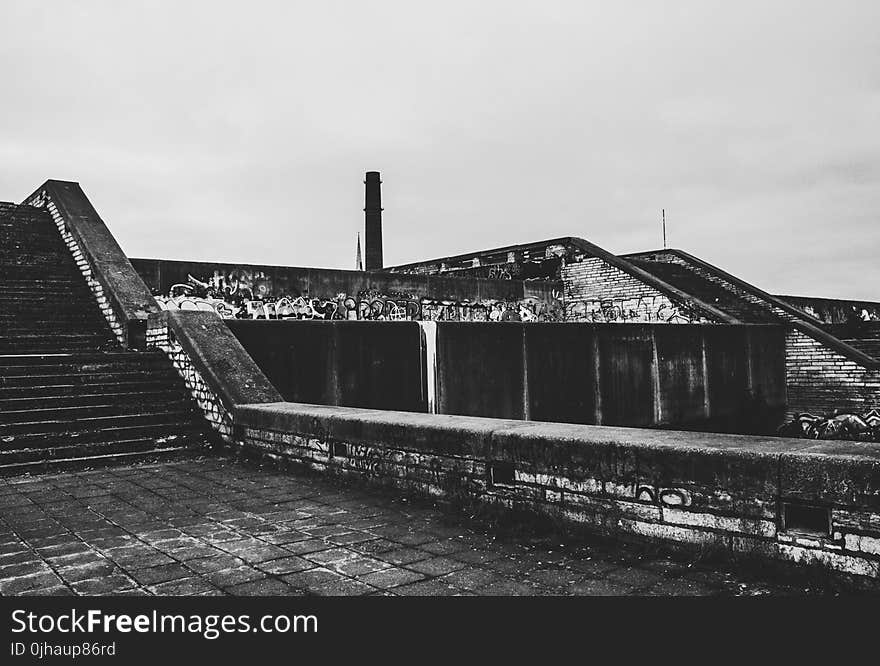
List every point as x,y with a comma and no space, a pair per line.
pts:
213,526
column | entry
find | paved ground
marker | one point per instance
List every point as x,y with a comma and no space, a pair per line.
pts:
213,526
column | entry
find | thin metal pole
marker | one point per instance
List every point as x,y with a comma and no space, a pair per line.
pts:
663,211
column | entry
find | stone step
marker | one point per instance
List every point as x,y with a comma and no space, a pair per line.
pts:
38,429
60,339
21,344
84,377
73,290
64,324
27,326
73,278
44,272
173,394
53,262
68,388
56,329
36,311
82,357
68,367
137,452
50,414
69,395
868,346
13,247
73,284
74,293
32,320
68,347
160,431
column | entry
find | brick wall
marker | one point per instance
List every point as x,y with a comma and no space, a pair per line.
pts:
597,291
42,200
734,493
160,337
821,381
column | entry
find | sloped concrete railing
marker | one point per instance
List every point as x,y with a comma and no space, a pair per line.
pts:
217,370
786,499
585,246
801,321
124,299
677,295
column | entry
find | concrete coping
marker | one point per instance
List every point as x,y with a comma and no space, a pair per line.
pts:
223,363
129,297
827,472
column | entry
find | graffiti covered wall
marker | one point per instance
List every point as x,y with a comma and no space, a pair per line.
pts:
835,311
644,309
250,292
846,425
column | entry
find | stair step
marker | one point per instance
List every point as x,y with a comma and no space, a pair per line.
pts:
25,339
74,449
685,279
38,324
171,394
80,329
108,433
67,368
75,388
87,312
51,340
33,429
81,357
87,377
71,347
9,299
41,310
59,282
95,461
167,405
69,394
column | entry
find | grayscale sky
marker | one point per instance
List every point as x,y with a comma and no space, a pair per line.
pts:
241,131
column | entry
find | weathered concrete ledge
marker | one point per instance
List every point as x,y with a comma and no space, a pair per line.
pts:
218,355
128,298
788,499
218,371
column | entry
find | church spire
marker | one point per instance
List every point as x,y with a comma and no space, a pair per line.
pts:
359,265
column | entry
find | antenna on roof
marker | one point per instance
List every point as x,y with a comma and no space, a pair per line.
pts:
663,217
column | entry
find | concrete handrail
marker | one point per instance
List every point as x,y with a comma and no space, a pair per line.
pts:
216,353
611,259
804,322
129,298
646,277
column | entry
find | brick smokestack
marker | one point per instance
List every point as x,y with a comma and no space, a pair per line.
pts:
373,222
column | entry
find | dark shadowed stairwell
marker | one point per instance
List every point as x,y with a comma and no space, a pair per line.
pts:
70,394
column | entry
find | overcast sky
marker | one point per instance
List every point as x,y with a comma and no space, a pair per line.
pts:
242,131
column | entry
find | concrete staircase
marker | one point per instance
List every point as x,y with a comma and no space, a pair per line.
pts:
69,394
864,336
689,281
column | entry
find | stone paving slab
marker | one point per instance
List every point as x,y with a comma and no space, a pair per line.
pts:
217,527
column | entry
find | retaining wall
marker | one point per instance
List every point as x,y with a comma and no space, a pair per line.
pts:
729,378
216,369
794,500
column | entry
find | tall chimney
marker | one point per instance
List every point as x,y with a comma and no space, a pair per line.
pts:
373,222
